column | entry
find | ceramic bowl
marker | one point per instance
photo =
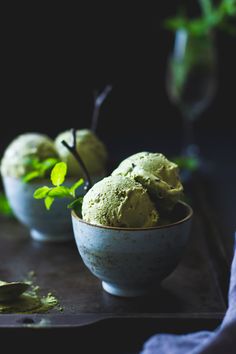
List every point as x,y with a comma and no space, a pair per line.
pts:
54,225
132,262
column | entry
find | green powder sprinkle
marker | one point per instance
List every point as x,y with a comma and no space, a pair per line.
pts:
31,301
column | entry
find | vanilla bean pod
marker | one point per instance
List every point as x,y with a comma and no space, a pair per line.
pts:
73,150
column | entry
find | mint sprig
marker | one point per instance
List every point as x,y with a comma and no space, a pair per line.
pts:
212,17
38,168
58,175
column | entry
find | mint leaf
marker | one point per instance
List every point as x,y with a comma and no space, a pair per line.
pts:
198,27
42,192
48,202
59,192
228,6
5,208
32,162
75,186
213,17
206,6
48,164
38,168
187,162
58,173
76,205
31,175
176,23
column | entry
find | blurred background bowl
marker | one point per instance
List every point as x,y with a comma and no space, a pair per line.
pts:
44,225
52,225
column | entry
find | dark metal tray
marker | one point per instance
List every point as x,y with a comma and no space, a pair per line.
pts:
197,289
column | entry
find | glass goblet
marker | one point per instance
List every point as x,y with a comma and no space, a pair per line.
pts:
191,83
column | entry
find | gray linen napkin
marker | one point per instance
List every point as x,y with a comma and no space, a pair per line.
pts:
221,341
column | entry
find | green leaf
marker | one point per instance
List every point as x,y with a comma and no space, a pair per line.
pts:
5,208
228,7
48,202
31,175
198,27
38,168
60,192
206,6
187,163
41,192
75,186
76,205
212,17
176,23
48,163
32,162
58,173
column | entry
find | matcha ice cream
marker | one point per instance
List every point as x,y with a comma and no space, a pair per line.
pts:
90,148
120,202
157,174
16,158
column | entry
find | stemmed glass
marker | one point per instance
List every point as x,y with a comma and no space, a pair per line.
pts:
191,82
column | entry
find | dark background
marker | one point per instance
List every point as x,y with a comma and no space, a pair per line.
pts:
54,58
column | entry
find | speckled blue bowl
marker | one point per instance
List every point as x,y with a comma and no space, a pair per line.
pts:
54,225
132,262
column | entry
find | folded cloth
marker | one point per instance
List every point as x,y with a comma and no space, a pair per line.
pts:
220,341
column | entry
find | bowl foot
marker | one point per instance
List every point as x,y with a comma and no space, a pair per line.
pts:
43,237
122,291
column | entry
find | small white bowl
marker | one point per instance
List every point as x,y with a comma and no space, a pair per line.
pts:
132,262
45,225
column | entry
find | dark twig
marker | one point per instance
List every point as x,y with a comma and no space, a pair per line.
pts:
98,101
72,149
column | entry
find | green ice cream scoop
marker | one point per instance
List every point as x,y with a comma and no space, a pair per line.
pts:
90,148
24,148
120,202
157,174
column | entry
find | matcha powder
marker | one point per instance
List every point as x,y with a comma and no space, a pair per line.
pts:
30,301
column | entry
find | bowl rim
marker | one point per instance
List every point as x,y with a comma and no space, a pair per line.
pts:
181,221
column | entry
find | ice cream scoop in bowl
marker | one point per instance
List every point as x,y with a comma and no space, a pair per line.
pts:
42,225
133,261
23,170
124,240
29,155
